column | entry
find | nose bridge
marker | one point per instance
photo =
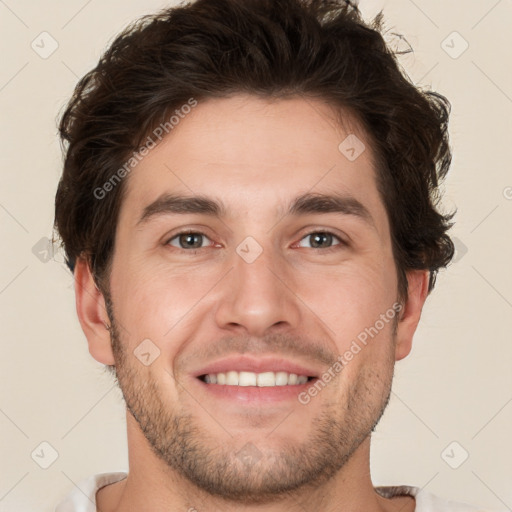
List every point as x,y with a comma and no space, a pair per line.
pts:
255,266
254,295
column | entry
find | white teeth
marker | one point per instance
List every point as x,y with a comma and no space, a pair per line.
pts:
265,379
281,379
246,379
232,378
292,378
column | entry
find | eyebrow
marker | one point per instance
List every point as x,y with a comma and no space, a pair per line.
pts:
309,203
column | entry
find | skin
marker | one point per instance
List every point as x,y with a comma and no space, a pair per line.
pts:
294,301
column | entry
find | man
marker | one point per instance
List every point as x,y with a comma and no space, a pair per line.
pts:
248,205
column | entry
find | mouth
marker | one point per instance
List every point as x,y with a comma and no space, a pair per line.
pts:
248,380
252,379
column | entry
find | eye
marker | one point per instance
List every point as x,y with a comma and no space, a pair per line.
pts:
322,240
188,240
193,240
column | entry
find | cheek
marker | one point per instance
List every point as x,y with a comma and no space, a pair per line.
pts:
351,298
152,301
367,360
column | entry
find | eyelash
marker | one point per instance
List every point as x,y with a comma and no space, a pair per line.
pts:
323,232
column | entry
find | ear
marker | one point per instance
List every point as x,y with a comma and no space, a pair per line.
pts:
92,313
410,314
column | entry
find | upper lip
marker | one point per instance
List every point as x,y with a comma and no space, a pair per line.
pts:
261,364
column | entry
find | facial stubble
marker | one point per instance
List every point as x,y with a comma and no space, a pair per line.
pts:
253,473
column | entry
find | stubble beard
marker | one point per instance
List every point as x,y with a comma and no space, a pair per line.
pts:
253,474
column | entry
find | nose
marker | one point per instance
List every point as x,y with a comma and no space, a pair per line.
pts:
257,297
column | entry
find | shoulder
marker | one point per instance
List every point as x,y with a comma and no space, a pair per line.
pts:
428,502
82,497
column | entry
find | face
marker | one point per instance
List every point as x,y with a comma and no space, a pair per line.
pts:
275,283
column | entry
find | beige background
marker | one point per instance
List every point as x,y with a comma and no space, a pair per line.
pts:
455,386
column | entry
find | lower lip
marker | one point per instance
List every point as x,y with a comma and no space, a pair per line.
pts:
255,394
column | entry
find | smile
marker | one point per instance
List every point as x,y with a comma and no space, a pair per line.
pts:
265,379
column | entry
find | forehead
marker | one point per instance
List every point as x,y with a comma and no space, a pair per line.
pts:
251,152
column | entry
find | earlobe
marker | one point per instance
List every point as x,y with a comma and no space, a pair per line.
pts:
92,313
411,311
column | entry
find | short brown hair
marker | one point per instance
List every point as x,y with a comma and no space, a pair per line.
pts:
269,48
